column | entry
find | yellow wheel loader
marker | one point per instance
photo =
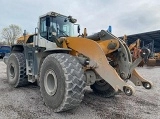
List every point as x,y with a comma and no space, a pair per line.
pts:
135,49
154,61
64,64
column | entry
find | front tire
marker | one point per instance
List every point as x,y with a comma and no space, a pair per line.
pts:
16,70
62,82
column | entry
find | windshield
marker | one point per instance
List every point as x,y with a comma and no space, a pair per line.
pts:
60,26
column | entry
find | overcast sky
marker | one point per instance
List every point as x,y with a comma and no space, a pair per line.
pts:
125,16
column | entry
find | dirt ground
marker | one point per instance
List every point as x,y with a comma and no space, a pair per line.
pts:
26,102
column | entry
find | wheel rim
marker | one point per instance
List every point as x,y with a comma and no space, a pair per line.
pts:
50,82
12,71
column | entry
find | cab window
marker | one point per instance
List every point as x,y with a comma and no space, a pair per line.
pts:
43,28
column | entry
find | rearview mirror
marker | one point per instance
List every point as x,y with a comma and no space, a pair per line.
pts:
48,21
78,29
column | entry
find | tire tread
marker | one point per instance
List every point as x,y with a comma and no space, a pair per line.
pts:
74,81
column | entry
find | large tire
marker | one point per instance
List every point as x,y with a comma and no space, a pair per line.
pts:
16,70
103,89
62,82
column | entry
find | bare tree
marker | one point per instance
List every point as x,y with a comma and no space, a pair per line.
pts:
11,33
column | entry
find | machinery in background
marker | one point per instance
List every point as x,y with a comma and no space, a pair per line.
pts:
4,50
135,50
154,58
150,40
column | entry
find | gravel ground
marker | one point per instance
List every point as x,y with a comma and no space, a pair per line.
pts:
26,102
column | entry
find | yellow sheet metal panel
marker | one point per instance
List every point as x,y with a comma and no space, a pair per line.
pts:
23,39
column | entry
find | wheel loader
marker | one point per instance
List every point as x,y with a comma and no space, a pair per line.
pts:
154,61
63,64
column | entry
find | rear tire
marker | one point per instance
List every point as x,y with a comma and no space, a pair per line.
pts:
103,89
62,82
16,70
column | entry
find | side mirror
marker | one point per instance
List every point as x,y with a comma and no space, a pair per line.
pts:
78,29
48,21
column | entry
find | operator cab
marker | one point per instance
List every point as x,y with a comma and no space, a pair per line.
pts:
57,25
